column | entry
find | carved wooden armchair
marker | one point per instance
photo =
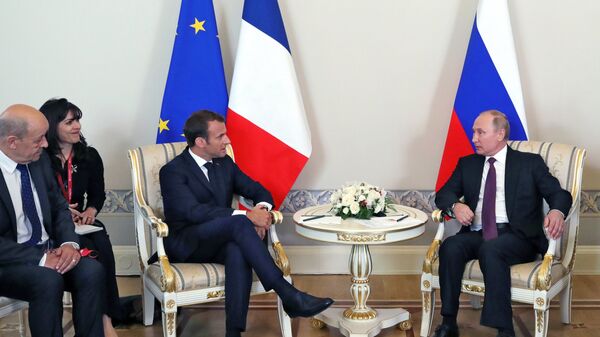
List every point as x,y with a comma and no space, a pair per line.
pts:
9,306
179,284
535,283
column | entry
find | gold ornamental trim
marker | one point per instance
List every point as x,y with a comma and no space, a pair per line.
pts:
161,228
426,284
360,315
572,261
276,217
317,323
544,276
216,294
431,257
359,281
171,322
281,259
170,304
405,325
426,300
539,301
168,282
473,288
356,237
437,216
539,318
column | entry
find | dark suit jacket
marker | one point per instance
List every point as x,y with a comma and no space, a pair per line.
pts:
55,210
527,182
190,200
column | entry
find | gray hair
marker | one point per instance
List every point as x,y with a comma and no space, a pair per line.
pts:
12,126
500,122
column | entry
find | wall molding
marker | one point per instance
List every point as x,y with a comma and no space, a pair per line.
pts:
121,201
387,260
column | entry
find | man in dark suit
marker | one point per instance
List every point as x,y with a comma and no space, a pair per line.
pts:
39,255
197,188
502,218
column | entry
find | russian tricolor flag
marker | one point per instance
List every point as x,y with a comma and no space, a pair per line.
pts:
490,80
265,120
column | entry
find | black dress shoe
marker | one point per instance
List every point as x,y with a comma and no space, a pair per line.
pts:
305,305
444,330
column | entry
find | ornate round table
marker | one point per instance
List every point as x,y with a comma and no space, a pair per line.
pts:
360,320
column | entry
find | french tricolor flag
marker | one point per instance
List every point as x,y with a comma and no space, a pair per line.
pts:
266,121
490,80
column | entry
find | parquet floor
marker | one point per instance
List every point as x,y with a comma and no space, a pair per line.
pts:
386,291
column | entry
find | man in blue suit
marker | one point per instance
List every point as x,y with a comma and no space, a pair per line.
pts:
39,255
197,188
502,217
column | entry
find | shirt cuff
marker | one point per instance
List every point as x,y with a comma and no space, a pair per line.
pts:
238,212
559,211
43,260
266,204
74,244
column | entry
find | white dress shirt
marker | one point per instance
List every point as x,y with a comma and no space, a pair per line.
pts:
12,177
201,161
500,166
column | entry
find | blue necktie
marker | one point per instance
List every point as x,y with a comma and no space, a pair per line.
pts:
29,206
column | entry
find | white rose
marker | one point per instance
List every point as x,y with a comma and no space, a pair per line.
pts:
373,194
378,208
361,198
350,190
347,199
345,210
354,207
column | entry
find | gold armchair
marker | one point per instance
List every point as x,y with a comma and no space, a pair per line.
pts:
535,283
179,284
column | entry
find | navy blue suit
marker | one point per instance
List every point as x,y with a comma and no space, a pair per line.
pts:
22,278
527,183
203,230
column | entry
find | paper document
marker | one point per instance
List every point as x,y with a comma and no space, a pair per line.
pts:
86,229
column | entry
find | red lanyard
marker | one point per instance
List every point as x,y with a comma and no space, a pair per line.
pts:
69,191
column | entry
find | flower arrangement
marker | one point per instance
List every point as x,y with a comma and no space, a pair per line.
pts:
360,200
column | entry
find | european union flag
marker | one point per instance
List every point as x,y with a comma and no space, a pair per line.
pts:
196,78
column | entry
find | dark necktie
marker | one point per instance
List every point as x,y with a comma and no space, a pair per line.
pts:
488,211
210,168
29,206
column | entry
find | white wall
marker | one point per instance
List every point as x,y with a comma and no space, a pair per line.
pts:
378,77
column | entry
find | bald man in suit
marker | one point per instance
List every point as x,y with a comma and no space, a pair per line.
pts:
39,256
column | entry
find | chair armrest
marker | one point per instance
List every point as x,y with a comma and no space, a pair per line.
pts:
161,228
432,252
168,282
281,259
543,279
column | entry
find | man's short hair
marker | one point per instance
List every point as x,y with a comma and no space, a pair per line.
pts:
197,125
500,122
12,126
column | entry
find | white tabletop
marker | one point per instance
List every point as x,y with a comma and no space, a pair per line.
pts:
378,230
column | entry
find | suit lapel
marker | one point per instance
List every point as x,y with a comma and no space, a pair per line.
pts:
510,180
197,171
42,192
8,205
475,180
